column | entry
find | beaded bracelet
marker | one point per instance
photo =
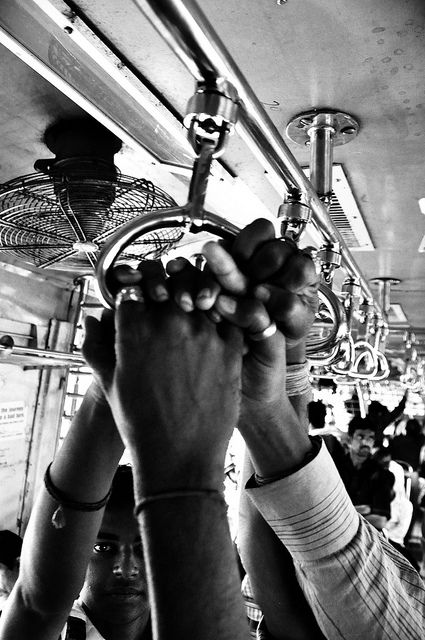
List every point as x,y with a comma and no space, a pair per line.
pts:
297,381
171,495
58,518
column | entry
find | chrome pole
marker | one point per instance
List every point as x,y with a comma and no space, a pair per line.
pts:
40,357
185,28
321,156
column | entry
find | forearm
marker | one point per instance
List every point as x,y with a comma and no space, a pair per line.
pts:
188,551
54,560
272,433
344,566
271,573
191,567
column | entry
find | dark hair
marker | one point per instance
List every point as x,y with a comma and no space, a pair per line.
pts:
317,414
413,428
376,407
358,423
122,493
10,548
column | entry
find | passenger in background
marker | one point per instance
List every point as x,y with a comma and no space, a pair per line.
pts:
408,447
317,415
383,417
370,487
10,551
401,507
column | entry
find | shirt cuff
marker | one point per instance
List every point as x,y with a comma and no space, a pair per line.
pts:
309,510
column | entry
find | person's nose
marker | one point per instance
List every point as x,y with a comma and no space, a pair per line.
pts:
126,565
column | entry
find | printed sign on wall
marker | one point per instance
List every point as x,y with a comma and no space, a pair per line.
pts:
12,459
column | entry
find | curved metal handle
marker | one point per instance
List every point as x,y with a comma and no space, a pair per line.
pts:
385,368
347,344
326,350
366,350
128,233
323,372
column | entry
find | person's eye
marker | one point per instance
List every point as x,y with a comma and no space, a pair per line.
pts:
102,547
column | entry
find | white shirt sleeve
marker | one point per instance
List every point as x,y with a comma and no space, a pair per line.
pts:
357,584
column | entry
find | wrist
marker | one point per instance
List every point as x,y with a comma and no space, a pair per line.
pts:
163,476
296,354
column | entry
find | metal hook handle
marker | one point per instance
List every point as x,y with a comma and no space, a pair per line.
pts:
366,350
173,217
347,345
325,350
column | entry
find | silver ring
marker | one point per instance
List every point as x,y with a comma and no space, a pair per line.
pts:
268,332
129,294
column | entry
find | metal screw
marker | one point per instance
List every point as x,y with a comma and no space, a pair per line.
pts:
348,130
304,122
68,30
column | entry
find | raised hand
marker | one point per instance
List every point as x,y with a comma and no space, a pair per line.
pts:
174,390
275,271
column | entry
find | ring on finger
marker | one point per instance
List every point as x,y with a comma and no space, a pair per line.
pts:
129,294
268,332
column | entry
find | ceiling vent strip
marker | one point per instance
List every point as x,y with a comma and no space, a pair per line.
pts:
396,314
345,213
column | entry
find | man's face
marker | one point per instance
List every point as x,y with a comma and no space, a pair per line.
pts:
115,588
362,442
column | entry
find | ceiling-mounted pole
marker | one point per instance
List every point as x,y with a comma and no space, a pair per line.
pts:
187,31
322,130
384,293
321,157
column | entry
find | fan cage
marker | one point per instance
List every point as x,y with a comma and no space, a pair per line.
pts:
42,217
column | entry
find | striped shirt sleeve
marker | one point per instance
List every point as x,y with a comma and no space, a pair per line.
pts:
356,583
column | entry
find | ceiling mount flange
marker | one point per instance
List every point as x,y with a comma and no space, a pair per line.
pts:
345,127
383,280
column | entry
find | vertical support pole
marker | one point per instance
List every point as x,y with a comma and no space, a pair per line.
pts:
321,135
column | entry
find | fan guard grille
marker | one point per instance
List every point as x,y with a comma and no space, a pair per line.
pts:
42,217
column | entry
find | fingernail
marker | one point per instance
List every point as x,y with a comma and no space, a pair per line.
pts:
186,302
262,293
226,304
176,265
161,293
204,293
204,300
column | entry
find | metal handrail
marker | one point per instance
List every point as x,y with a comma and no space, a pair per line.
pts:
38,357
192,38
